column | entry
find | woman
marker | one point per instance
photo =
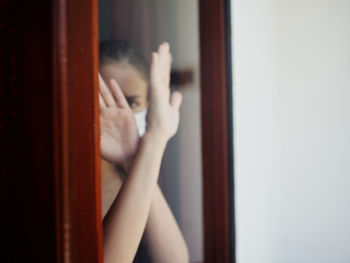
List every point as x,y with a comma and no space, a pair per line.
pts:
137,205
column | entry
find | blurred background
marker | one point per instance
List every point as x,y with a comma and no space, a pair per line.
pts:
291,72
145,24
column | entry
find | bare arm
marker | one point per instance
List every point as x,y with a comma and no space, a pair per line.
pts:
162,234
126,220
163,237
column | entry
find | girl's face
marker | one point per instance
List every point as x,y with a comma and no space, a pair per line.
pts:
131,82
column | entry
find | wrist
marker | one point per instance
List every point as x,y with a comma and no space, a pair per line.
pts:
156,136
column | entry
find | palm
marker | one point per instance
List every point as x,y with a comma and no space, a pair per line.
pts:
119,137
164,114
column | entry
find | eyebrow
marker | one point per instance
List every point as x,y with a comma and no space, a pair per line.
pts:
132,97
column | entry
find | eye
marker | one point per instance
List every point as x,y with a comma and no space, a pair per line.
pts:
132,103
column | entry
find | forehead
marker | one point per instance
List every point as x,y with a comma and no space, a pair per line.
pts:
129,79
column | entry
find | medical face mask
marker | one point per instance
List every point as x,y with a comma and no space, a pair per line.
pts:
141,123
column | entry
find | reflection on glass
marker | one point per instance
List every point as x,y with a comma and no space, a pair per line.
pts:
144,25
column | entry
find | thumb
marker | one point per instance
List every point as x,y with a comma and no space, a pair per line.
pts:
176,100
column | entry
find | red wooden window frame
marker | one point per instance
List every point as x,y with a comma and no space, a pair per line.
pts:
50,183
49,127
76,112
217,147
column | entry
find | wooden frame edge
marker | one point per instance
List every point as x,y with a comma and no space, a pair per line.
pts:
76,112
216,140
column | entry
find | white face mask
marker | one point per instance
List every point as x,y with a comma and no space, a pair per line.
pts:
141,123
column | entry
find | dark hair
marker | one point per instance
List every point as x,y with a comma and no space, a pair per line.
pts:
122,52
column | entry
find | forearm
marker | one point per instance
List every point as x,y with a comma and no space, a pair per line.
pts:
162,234
126,220
111,182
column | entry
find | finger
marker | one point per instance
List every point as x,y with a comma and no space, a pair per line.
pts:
164,47
176,100
154,63
106,93
154,70
118,94
165,62
165,56
102,103
164,50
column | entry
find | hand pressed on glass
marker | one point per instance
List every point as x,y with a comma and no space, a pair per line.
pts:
163,116
140,206
119,137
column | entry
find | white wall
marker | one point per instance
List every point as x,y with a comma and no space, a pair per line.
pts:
291,65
